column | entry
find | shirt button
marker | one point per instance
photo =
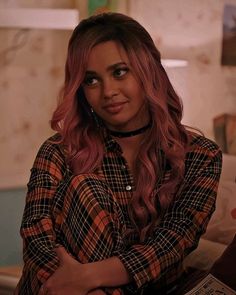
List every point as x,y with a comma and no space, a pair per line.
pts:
128,187
123,167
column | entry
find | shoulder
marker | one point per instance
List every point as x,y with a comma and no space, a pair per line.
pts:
202,152
51,151
51,146
50,165
199,143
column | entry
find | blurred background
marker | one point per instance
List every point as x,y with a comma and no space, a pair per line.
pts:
33,45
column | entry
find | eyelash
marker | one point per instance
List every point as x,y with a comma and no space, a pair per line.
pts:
116,72
87,79
124,69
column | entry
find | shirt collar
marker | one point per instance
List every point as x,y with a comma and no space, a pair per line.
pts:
111,145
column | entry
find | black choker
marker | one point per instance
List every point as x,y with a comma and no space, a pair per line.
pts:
121,134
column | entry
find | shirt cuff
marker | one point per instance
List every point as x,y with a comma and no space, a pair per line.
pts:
141,269
49,268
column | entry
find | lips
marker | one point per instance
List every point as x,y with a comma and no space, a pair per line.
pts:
114,108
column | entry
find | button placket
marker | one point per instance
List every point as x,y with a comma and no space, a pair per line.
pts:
123,167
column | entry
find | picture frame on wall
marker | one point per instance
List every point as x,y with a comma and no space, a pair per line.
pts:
229,36
102,6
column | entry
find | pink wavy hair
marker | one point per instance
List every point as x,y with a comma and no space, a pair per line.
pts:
166,141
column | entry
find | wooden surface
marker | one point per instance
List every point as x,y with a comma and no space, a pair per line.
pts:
13,270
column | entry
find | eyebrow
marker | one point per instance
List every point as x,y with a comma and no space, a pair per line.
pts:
109,68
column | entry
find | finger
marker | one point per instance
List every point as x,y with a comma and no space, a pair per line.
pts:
62,253
42,290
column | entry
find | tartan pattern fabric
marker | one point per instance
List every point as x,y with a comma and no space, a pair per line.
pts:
88,215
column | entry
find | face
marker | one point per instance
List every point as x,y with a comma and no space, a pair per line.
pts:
112,90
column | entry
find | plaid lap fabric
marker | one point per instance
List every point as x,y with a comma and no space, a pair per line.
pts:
55,196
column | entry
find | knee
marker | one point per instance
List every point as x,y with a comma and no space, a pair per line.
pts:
90,184
88,191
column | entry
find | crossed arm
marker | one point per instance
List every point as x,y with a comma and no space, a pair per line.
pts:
75,278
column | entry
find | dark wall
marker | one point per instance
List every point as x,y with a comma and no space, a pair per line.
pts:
11,210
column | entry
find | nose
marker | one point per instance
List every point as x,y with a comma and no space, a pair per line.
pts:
110,88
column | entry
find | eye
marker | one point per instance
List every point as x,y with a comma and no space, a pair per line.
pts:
90,81
120,72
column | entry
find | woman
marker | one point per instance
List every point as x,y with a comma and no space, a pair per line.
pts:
123,191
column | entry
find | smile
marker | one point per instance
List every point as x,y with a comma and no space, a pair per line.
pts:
114,107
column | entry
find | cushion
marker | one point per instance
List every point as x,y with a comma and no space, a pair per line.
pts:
222,226
229,168
205,255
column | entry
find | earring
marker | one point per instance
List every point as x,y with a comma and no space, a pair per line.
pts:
95,118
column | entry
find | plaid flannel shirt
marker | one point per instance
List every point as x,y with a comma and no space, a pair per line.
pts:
155,264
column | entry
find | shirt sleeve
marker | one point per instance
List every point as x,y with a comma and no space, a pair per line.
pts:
37,228
178,233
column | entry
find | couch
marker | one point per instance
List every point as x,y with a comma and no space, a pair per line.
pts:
222,226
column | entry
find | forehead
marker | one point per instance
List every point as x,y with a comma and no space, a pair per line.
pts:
105,54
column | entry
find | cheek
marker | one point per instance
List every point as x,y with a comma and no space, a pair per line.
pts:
135,89
137,95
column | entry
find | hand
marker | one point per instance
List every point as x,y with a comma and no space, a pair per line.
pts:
71,277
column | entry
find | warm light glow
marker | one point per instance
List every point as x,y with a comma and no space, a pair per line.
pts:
174,63
38,18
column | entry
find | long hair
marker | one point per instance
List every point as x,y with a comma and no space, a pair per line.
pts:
164,145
